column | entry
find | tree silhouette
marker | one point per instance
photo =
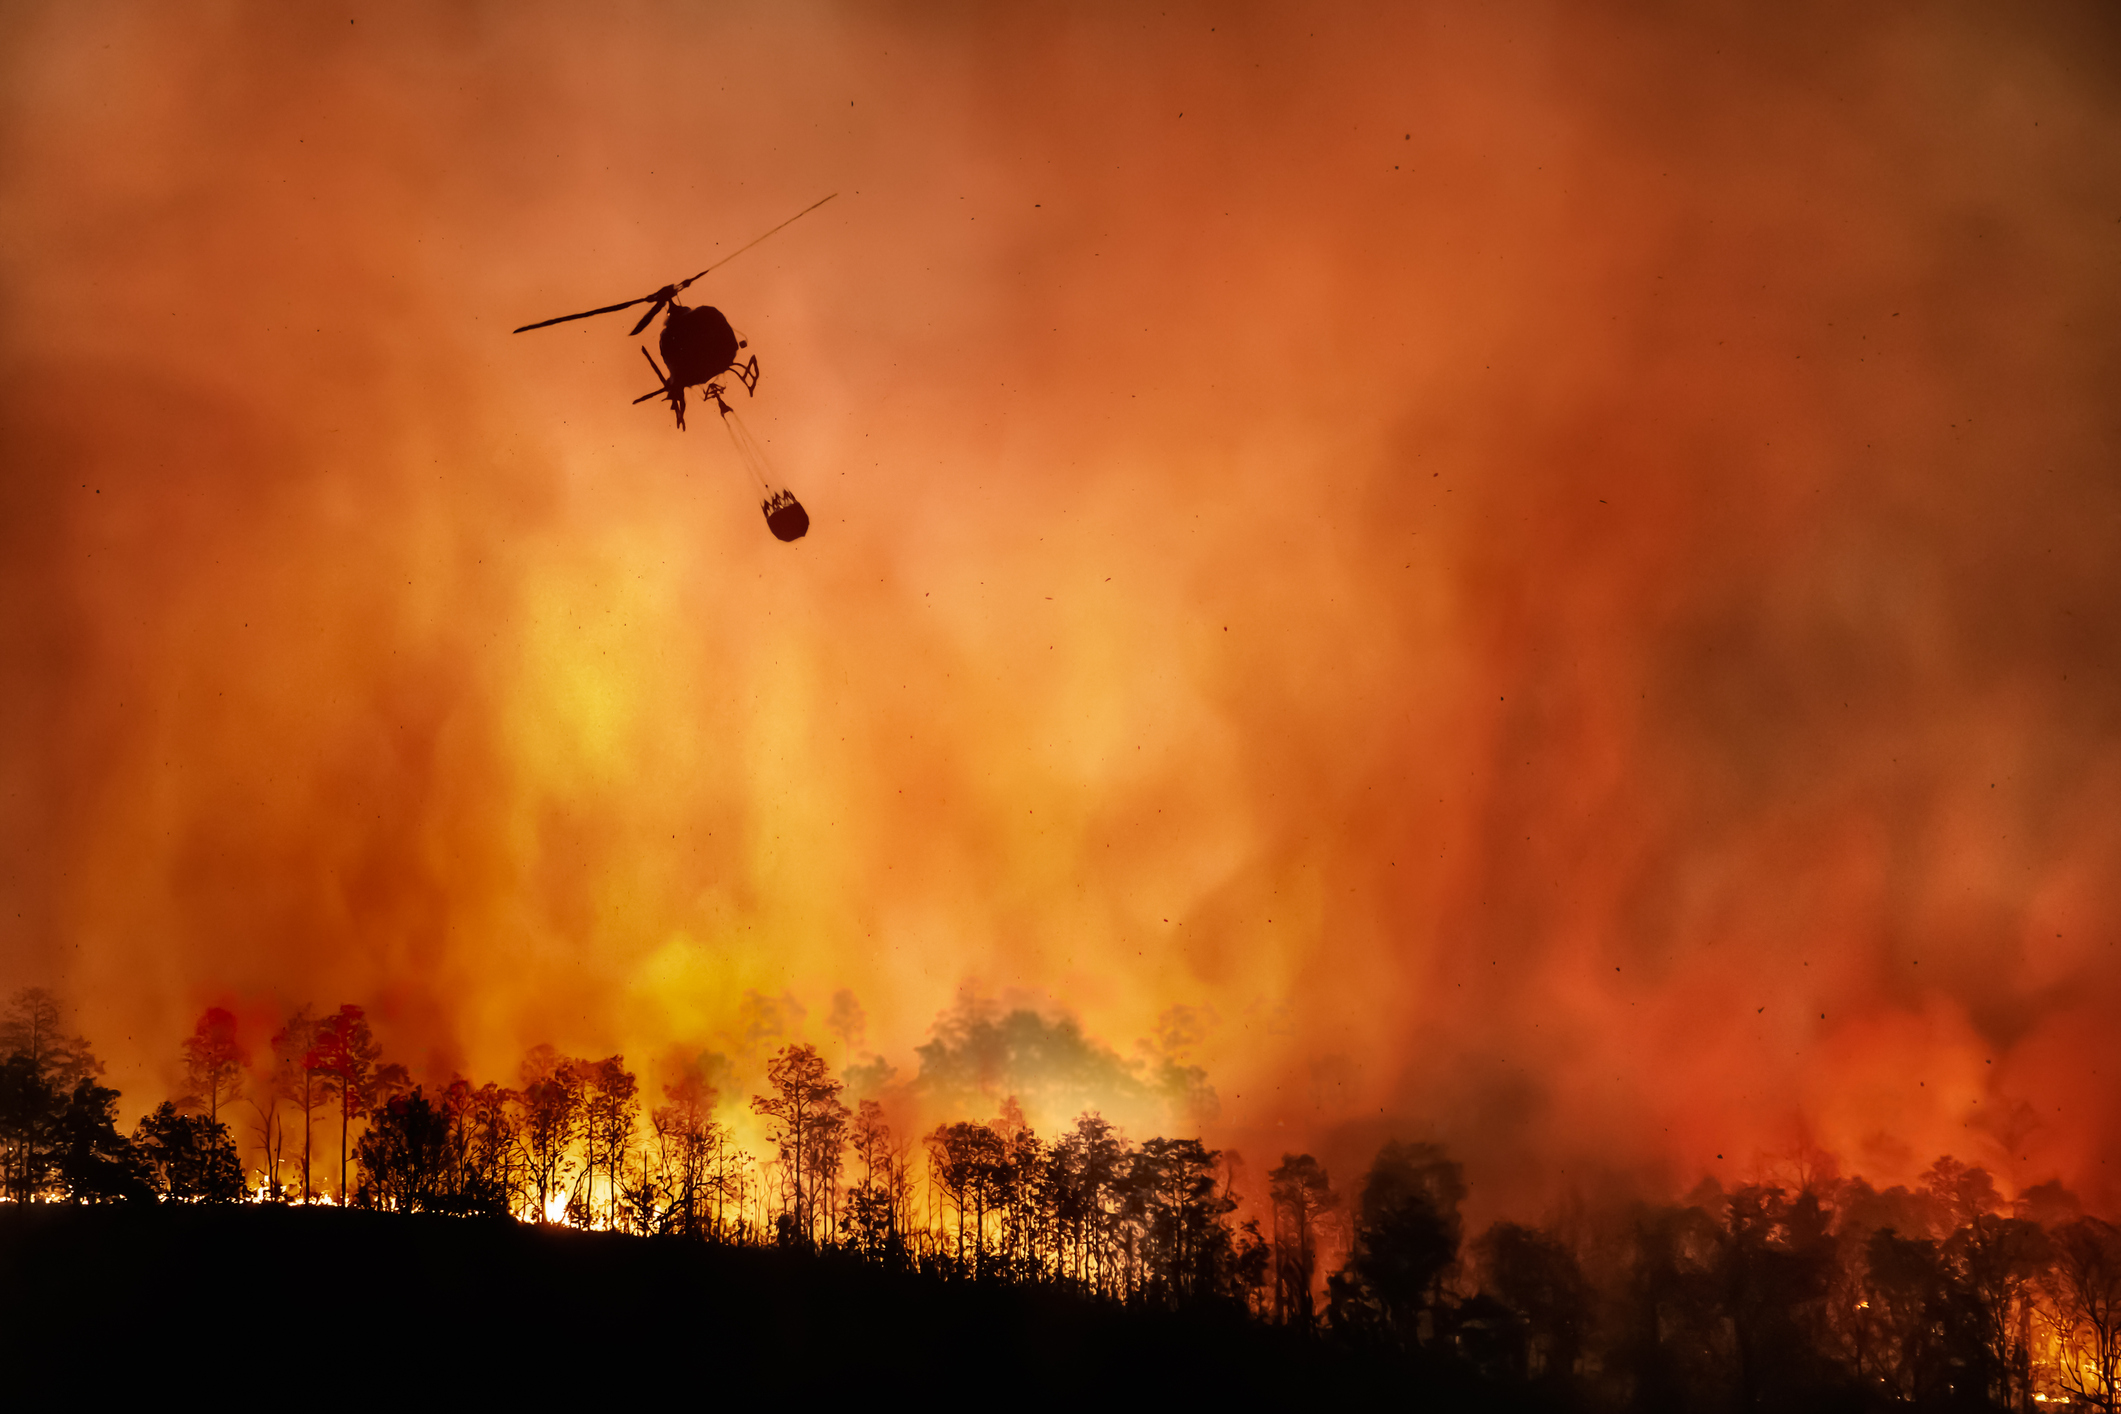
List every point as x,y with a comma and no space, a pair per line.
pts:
1997,1262
35,1026
214,1061
295,1080
1189,1255
967,1160
1907,1316
2084,1289
1960,1194
872,1213
807,1114
1537,1276
411,1157
683,1139
487,1131
1028,1229
1751,1299
265,1095
1302,1196
1252,1267
344,1052
551,1104
1086,1170
40,1064
610,1106
1670,1334
824,1155
29,1113
386,1082
1777,1263
192,1158
1407,1232
97,1164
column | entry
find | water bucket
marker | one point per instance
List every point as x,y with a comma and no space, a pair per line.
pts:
785,516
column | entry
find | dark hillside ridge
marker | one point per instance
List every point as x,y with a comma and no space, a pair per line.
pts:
414,1308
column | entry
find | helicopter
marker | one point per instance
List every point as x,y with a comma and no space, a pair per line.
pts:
700,347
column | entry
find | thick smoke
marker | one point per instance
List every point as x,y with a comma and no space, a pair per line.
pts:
1543,579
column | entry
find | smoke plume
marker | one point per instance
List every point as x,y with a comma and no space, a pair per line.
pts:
1540,578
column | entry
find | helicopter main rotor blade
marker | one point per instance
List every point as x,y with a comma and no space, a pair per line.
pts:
663,296
742,248
607,309
653,311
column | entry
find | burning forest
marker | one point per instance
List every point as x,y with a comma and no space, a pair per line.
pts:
1445,678
1802,1288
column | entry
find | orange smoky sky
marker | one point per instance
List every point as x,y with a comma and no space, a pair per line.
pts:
1541,576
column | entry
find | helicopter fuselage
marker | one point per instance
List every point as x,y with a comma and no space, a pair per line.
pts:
698,345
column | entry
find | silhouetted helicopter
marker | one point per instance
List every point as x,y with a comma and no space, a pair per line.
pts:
699,346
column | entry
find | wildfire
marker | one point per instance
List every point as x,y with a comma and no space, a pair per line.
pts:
1829,1274
1561,611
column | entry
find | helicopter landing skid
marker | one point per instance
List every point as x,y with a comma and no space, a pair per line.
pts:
671,389
747,373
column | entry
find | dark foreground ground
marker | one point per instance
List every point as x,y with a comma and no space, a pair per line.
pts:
400,1312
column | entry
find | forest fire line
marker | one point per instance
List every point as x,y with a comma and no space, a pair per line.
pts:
1785,1289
